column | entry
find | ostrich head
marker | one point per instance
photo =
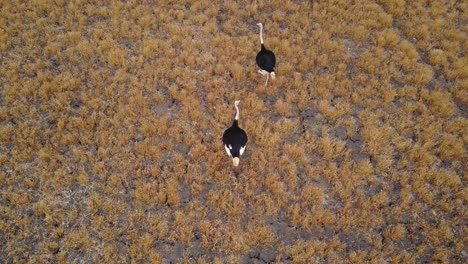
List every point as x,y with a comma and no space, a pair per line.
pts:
235,162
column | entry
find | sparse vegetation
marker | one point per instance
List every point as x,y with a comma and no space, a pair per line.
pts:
112,113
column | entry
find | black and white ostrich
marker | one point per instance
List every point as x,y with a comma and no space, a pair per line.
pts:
235,139
266,59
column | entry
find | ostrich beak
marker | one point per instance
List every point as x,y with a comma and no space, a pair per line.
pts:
235,161
273,75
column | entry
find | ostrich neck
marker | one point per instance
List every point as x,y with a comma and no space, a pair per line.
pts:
261,33
237,113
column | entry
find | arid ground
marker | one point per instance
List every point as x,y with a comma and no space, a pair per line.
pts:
112,113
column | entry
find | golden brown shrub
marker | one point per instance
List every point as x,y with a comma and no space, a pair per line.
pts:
111,117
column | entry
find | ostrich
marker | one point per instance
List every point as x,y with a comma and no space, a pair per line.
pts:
265,59
235,139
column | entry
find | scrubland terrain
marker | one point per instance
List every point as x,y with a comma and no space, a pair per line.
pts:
112,113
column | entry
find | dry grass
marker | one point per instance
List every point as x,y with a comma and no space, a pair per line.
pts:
111,117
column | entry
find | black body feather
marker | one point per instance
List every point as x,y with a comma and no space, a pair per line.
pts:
235,138
266,59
